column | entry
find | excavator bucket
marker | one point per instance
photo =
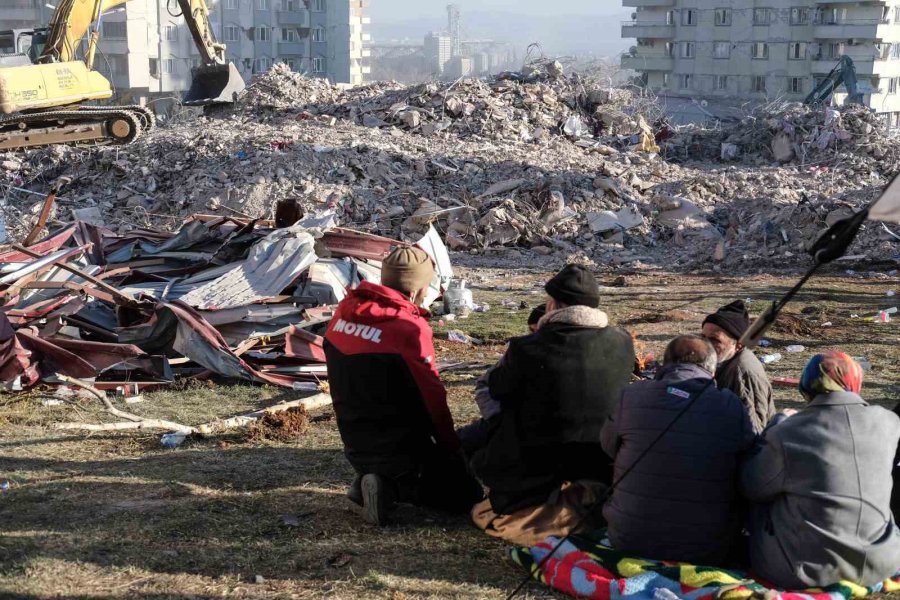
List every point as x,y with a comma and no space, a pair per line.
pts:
214,84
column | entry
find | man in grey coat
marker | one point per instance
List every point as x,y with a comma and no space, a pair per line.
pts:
681,502
739,370
821,484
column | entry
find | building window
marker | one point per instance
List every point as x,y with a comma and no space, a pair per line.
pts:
291,63
261,65
897,14
895,50
721,49
721,82
318,6
685,80
797,51
759,50
231,4
689,16
665,80
892,85
168,66
760,16
231,33
882,51
836,50
195,63
117,64
723,16
115,30
827,16
795,85
687,49
318,34
262,4
288,34
670,49
171,33
670,17
800,15
759,83
318,65
263,34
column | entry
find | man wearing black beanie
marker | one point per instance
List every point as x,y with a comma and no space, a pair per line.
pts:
739,370
555,389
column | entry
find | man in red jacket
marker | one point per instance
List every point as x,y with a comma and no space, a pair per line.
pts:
390,404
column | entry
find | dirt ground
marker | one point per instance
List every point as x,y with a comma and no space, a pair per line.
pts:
118,516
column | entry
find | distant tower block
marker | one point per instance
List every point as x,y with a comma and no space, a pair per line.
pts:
453,24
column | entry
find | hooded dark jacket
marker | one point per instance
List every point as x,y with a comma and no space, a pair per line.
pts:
556,388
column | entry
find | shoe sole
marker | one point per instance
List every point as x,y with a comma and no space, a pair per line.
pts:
372,513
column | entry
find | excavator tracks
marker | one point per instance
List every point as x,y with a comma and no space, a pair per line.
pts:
94,125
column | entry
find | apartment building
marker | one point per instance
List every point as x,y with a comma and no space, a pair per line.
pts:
148,53
764,49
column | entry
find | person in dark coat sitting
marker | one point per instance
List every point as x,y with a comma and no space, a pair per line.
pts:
555,389
681,502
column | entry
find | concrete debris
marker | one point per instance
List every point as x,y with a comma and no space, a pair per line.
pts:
537,165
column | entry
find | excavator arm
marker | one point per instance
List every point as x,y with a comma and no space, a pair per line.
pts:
215,81
843,73
71,20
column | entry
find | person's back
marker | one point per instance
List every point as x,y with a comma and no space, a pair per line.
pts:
681,500
561,385
821,482
390,404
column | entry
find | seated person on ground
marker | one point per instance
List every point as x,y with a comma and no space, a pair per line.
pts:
390,404
739,370
555,388
821,485
474,436
681,502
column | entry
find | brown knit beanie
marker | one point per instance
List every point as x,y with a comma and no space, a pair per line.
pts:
407,269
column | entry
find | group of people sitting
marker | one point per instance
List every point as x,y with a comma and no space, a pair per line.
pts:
693,466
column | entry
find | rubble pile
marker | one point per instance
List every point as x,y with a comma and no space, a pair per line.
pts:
284,89
794,133
611,200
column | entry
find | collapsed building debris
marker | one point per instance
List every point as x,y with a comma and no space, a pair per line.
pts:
607,197
220,297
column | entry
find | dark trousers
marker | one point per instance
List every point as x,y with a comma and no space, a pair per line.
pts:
441,481
476,435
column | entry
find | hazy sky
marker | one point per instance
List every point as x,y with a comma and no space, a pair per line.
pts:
395,10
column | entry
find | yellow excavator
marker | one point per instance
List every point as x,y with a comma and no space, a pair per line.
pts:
43,97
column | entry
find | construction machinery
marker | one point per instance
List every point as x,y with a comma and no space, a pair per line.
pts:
843,73
44,92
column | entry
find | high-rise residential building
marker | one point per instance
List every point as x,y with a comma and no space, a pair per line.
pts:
764,49
147,51
438,51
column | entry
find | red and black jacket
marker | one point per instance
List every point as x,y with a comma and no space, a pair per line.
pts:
389,401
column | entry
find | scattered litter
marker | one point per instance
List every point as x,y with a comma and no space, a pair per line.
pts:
52,402
891,293
458,298
769,359
863,362
764,343
454,335
173,440
4,486
795,349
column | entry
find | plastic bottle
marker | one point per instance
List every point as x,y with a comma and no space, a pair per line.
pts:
770,358
795,349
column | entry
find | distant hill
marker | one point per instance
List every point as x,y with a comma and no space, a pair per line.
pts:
596,33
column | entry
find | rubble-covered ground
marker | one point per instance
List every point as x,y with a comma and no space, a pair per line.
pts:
538,167
116,516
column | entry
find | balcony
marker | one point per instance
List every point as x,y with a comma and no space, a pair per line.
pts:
636,29
296,18
292,48
861,29
648,63
648,3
